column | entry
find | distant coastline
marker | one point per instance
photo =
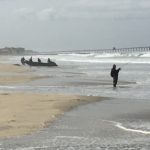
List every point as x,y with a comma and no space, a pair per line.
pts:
16,51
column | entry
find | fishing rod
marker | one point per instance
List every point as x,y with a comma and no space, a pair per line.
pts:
125,64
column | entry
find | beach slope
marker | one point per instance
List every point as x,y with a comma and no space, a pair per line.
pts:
24,113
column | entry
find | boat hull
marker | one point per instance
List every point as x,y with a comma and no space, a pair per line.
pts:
50,64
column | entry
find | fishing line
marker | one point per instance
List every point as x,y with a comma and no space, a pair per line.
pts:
125,64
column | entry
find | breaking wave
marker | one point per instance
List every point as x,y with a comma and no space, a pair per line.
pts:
138,57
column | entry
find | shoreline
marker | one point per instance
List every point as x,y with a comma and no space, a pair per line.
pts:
13,74
24,113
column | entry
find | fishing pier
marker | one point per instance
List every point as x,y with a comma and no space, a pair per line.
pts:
113,50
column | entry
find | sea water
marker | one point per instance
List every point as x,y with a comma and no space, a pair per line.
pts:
88,74
122,122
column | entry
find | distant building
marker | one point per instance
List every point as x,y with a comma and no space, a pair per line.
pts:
15,51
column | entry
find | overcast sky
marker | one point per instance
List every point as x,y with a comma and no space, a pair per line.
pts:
45,25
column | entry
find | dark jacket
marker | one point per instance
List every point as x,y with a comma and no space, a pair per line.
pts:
114,72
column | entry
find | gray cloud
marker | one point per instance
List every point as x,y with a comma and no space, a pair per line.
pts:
87,9
74,24
25,13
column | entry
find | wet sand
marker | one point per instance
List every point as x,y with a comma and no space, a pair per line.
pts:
12,74
92,126
121,123
23,113
12,68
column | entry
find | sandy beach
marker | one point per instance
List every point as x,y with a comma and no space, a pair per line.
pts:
11,74
23,113
47,113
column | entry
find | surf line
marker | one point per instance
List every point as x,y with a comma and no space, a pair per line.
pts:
120,126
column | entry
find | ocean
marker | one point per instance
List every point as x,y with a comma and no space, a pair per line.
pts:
89,74
120,122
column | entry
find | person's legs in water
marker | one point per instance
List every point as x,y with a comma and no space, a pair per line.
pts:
115,80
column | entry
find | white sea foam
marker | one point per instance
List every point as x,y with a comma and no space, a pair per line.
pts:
106,57
121,126
138,57
146,55
69,137
32,148
7,87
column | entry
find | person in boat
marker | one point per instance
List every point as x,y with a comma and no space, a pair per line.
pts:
39,60
114,74
30,60
23,60
48,60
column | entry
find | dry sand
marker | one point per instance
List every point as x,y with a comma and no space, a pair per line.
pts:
23,113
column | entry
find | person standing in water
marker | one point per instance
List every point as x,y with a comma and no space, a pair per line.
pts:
114,74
